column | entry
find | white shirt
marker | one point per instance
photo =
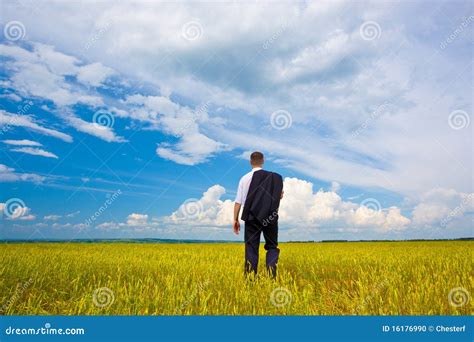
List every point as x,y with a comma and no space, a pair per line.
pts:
244,185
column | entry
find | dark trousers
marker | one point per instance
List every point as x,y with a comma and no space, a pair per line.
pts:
252,234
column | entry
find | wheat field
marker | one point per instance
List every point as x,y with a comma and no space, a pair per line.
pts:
362,278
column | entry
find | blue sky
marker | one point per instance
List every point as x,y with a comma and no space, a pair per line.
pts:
136,120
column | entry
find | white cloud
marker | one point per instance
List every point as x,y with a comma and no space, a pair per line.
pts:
80,226
19,213
302,206
73,214
299,207
314,59
193,147
135,222
245,155
8,174
27,217
94,74
350,83
335,186
9,119
35,152
61,225
441,206
305,214
209,210
11,96
103,132
38,81
58,63
108,226
331,81
137,219
394,220
190,150
52,217
42,73
23,142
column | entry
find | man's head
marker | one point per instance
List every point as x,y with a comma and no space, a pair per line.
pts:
256,159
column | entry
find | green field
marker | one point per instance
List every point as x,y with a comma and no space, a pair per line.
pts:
376,278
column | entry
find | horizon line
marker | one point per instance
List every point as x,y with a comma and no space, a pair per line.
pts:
158,240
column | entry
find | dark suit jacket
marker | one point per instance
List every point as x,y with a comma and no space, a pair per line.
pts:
263,198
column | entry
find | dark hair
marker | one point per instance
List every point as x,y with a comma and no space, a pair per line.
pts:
256,158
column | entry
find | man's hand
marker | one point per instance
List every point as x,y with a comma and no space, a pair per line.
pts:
236,218
236,227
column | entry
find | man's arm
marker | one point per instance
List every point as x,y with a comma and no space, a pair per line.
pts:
237,206
236,218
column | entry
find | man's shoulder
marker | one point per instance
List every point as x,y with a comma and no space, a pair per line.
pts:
266,172
246,176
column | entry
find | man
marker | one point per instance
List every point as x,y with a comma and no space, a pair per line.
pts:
259,194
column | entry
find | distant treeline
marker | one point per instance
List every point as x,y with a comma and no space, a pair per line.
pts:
205,241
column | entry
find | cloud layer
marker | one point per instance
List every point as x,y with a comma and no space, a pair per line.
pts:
301,207
362,83
369,97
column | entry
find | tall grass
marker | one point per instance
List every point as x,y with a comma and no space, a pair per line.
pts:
373,278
